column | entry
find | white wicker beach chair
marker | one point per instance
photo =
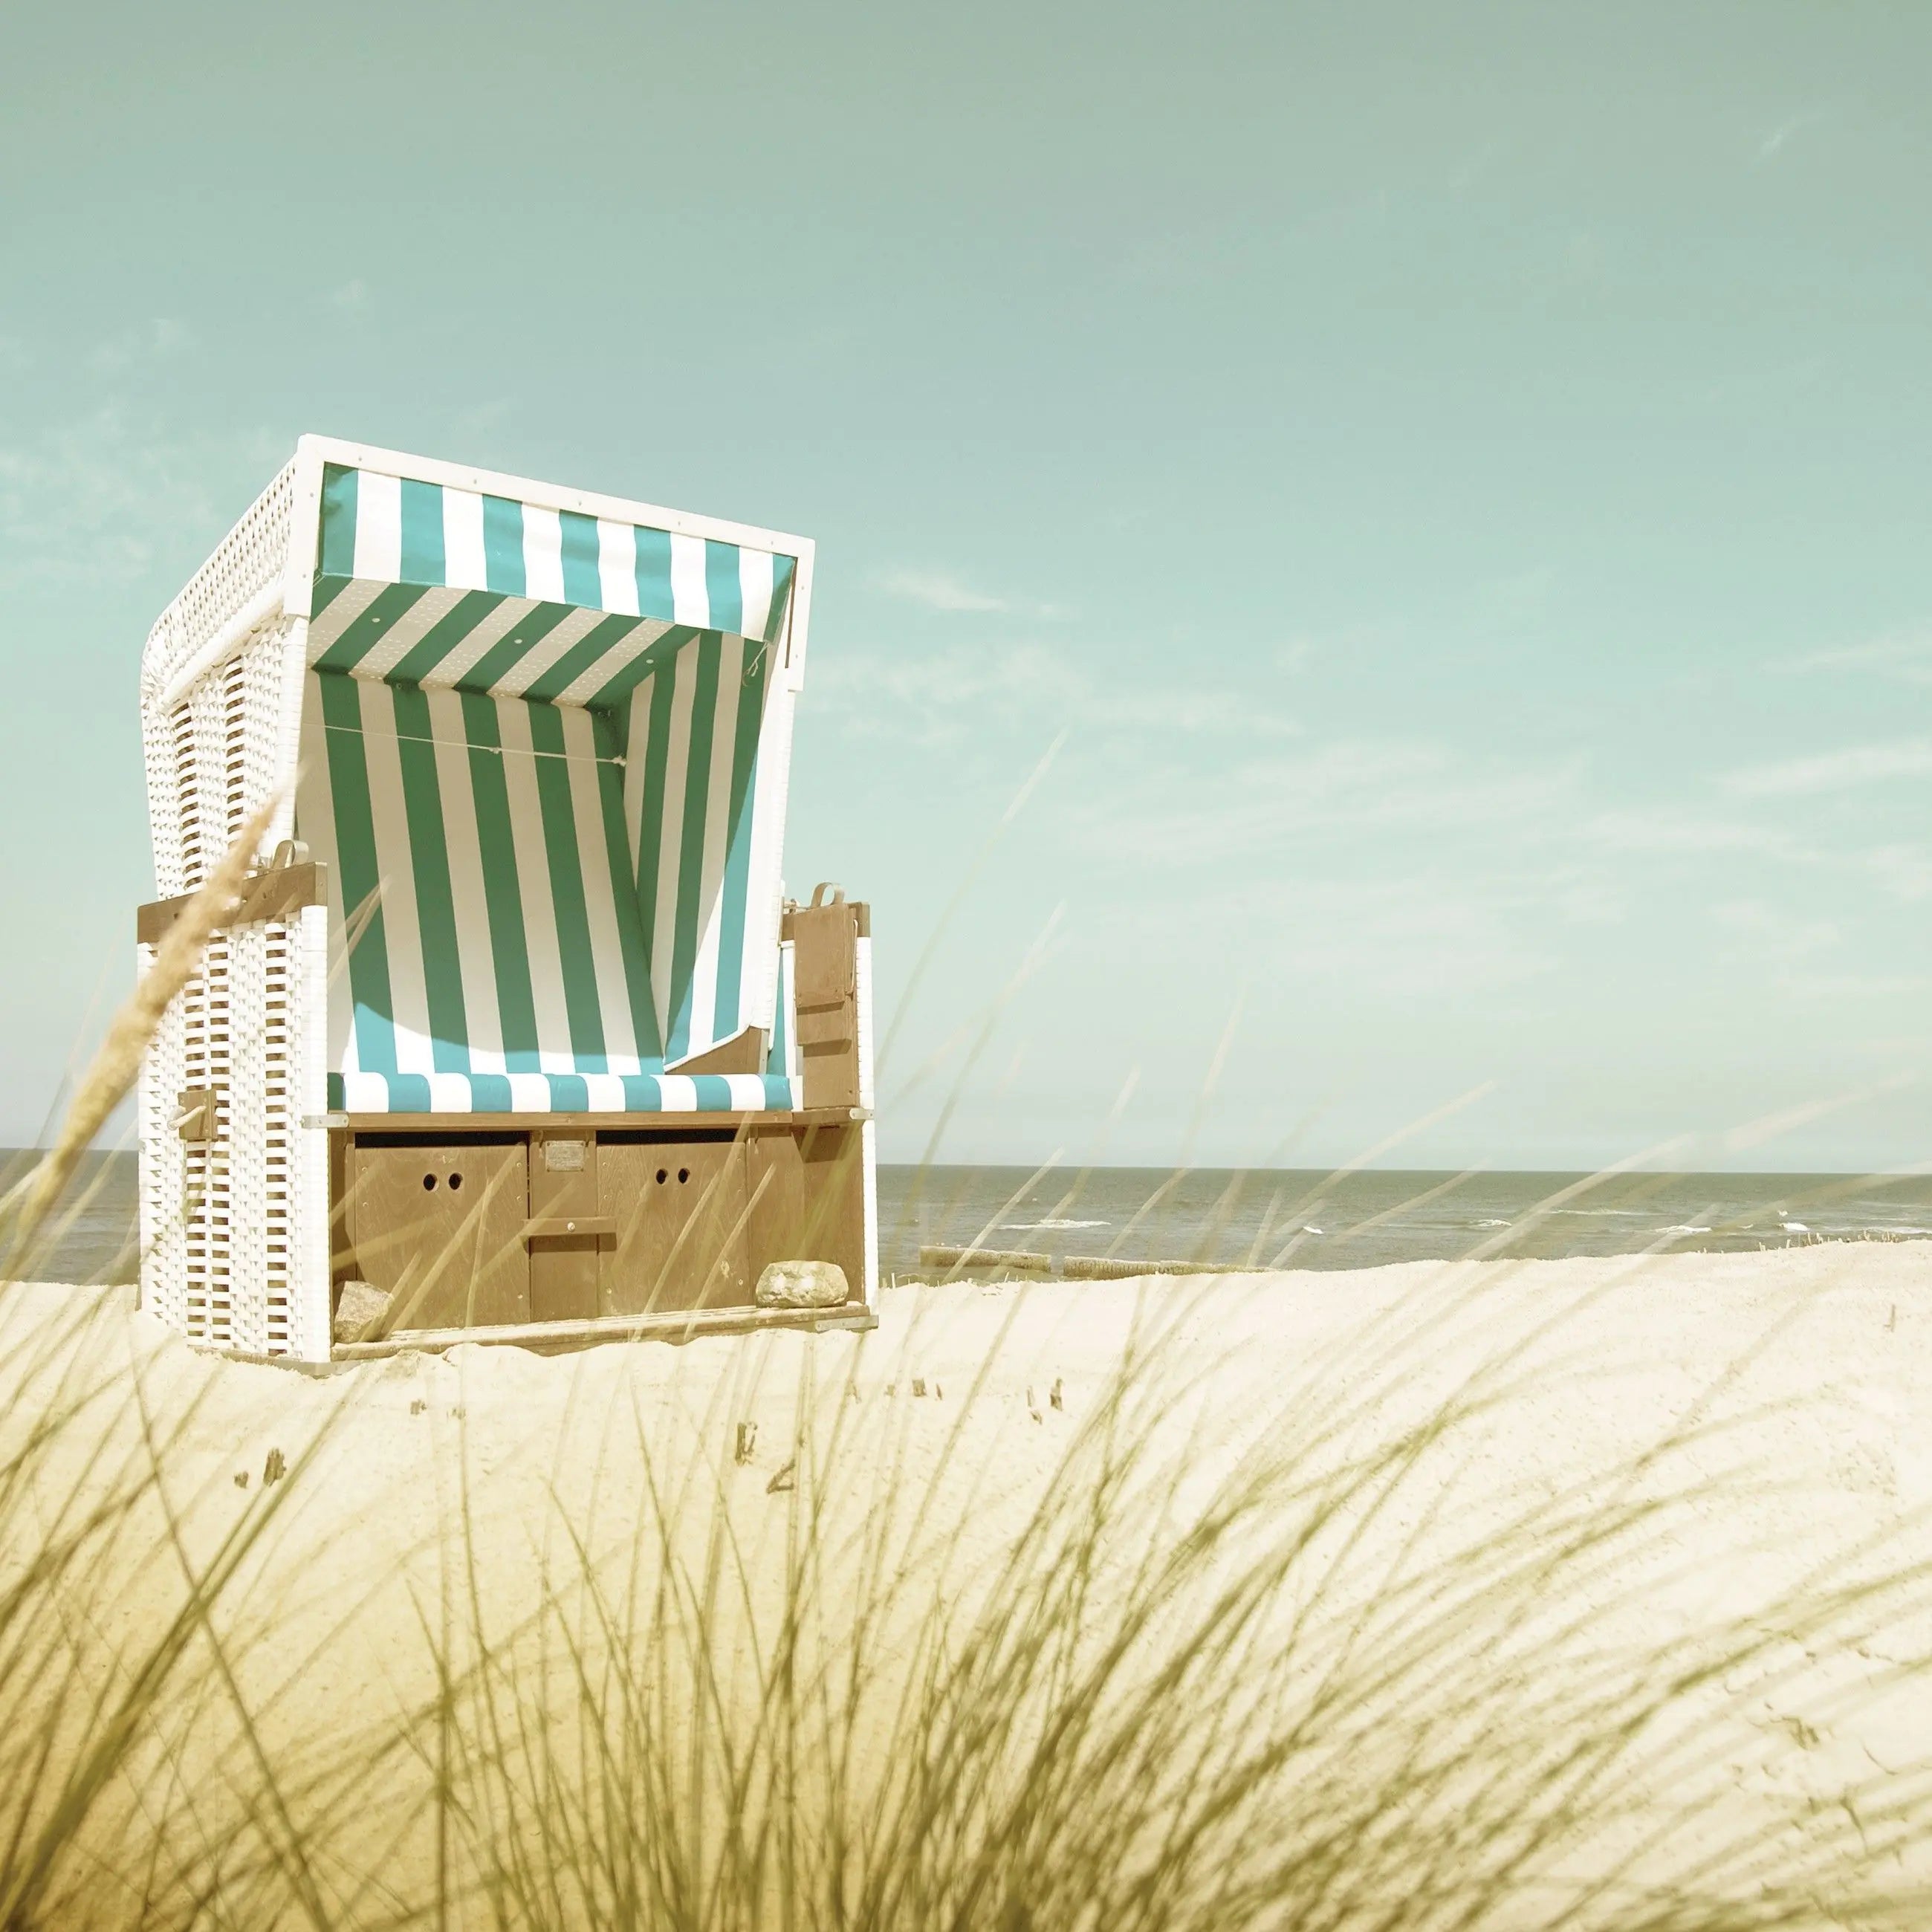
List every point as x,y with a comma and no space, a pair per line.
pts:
513,1023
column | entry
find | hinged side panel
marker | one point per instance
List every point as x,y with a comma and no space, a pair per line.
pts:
253,1280
207,1304
825,995
220,1215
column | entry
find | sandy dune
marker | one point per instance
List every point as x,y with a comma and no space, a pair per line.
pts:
1791,1390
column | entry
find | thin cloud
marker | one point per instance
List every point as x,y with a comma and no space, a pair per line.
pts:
1845,770
932,702
1905,871
101,498
1419,935
1664,829
151,342
1756,1133
937,590
1178,813
1849,986
1303,649
1907,658
1773,144
1770,932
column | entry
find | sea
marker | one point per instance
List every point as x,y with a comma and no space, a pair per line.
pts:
1318,1219
1287,1218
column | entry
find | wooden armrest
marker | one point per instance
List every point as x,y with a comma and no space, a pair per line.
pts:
277,892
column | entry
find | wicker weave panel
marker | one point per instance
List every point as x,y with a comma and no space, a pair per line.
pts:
306,992
250,557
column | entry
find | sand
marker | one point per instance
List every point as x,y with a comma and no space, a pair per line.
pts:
1797,1386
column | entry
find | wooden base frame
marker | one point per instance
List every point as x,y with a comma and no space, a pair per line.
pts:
554,1229
501,1233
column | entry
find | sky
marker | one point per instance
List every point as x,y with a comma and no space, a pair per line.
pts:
1373,592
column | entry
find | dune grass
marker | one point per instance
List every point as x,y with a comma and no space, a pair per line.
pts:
1210,1682
1279,1667
1230,1645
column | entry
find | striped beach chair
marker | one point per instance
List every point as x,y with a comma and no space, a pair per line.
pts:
513,1032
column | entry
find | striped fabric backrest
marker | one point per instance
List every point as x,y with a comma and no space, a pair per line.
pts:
532,751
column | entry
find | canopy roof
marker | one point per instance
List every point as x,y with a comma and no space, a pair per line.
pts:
423,582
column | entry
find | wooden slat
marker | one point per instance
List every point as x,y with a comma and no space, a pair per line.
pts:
1025,1261
555,1227
675,1326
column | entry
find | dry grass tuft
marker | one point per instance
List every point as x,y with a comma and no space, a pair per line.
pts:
1277,1667
1278,1664
111,1073
1276,1678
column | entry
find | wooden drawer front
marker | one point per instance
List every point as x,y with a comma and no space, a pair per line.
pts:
564,1185
441,1227
809,1205
679,1210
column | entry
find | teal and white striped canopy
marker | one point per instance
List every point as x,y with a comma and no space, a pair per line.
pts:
420,583
543,754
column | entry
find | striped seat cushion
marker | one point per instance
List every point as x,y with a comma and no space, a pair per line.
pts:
561,1093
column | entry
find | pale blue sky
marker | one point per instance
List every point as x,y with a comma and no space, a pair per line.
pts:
1460,474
